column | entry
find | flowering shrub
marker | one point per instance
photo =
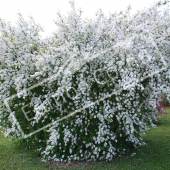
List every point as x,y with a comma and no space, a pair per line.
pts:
161,107
92,81
165,101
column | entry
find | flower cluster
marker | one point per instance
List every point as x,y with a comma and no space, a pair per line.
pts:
96,82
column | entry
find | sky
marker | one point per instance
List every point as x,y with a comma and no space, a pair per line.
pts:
44,11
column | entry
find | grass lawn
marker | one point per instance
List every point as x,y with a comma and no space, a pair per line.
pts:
15,157
155,155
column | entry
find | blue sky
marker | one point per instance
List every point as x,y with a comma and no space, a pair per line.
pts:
44,11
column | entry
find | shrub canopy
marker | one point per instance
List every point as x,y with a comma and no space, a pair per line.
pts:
96,82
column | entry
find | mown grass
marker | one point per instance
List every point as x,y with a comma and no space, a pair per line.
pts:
155,155
15,157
